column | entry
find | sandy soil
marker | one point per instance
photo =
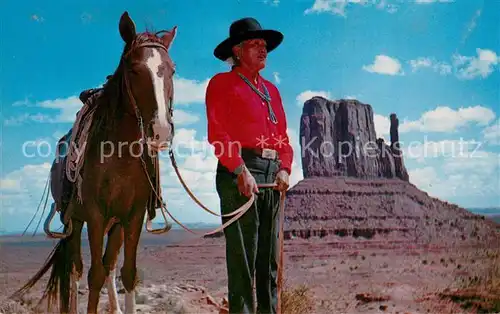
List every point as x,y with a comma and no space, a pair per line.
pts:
185,275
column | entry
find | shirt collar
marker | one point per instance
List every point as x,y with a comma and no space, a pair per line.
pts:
238,69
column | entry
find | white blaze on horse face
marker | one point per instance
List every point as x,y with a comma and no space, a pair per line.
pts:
161,125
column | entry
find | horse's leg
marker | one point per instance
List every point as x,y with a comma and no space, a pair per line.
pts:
97,273
132,233
75,242
115,240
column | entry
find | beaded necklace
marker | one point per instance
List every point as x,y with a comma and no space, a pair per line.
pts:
264,97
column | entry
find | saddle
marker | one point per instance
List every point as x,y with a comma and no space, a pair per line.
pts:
62,188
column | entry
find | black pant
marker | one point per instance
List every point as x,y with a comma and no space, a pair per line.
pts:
252,240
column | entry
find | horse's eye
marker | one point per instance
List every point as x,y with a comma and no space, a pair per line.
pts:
135,70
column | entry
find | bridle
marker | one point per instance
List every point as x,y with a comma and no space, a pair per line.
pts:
138,115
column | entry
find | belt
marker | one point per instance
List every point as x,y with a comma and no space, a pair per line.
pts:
266,153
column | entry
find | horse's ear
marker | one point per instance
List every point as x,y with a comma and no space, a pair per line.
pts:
127,28
169,37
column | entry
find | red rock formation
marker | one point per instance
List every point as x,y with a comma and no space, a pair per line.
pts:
338,139
366,193
401,171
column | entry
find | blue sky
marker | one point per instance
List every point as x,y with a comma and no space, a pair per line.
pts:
433,62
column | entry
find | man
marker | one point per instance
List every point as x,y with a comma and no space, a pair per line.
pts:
247,127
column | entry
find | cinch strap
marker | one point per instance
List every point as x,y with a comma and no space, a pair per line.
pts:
264,97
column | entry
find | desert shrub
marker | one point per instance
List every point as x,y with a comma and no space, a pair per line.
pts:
12,307
481,291
296,300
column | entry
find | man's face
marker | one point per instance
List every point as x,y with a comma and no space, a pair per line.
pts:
253,54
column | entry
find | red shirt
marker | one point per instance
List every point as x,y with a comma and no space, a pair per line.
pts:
238,117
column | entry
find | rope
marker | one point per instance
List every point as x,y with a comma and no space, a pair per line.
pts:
45,190
240,211
78,143
193,197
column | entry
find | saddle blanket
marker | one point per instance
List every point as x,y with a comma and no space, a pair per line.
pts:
71,152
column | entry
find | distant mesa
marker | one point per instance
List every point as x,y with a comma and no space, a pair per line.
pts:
356,187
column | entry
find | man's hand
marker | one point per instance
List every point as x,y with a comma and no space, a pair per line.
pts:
282,181
246,183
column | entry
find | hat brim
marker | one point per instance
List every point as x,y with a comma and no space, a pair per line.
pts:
273,39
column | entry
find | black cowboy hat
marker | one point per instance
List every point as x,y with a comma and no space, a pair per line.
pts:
243,29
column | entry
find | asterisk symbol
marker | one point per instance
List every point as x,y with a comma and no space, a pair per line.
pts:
262,141
280,141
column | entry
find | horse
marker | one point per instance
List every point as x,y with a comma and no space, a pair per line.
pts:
133,119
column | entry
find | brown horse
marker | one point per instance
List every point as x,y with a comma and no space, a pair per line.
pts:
134,111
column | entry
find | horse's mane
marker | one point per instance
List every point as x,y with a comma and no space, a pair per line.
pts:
113,100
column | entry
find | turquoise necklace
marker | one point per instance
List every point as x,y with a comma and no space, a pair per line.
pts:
264,97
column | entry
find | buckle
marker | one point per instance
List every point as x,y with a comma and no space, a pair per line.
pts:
268,153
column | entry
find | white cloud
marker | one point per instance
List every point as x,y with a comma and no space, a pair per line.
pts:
37,18
351,97
67,107
423,177
20,193
321,6
186,92
186,139
472,67
382,125
339,7
276,76
200,162
492,133
446,119
26,117
9,184
182,117
433,1
465,178
477,161
272,2
308,94
424,150
471,25
426,62
384,65
463,67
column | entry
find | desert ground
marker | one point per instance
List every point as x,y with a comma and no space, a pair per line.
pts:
181,273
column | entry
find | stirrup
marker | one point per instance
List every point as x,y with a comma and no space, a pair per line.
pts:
168,225
46,225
